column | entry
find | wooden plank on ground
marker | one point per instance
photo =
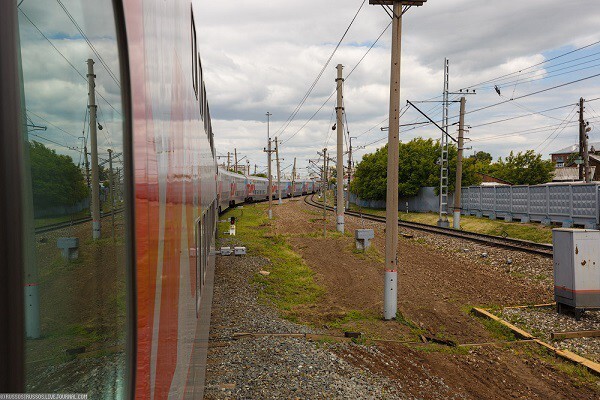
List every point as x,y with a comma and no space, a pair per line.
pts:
517,331
533,306
575,334
592,366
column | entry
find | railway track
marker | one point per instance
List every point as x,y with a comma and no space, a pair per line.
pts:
66,224
544,250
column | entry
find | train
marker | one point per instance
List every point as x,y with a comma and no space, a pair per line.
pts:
118,307
234,188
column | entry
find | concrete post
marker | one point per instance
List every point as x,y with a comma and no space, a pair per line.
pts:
111,191
94,143
390,304
459,165
294,178
324,190
339,110
278,171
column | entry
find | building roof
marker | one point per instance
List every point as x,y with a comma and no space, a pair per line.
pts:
575,148
569,174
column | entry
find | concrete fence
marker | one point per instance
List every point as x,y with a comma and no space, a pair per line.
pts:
568,204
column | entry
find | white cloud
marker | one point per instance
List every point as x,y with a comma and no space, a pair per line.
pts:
262,56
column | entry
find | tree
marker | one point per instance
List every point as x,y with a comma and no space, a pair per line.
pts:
57,181
261,175
418,168
525,168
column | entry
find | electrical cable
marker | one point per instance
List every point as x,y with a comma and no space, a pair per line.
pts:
110,73
347,76
292,116
66,59
532,66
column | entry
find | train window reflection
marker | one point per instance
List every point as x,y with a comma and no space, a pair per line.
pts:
75,294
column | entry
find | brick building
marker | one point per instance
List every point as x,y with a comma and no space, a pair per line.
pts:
567,170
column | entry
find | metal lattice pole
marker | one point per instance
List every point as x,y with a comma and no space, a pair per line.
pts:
443,218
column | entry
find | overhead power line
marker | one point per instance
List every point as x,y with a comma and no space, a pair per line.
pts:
532,66
289,120
66,59
91,46
334,92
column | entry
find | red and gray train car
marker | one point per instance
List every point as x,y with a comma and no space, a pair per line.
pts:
236,188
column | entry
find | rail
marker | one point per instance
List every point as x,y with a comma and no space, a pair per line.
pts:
541,249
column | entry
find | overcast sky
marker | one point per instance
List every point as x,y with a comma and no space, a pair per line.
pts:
261,56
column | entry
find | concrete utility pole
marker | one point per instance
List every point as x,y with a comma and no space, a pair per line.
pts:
294,178
111,191
254,169
459,162
248,167
324,191
278,170
269,151
228,163
349,169
390,305
86,160
235,167
94,143
339,110
583,145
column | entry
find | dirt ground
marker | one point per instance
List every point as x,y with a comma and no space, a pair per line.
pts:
434,294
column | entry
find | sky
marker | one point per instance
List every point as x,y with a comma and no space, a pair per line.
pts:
262,56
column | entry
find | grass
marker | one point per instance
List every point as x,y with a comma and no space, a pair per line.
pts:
529,231
351,316
498,330
290,282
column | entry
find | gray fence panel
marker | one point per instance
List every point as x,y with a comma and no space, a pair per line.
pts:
464,199
488,198
503,199
585,201
475,198
538,202
520,199
559,200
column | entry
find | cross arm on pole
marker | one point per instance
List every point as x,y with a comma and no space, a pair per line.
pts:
432,121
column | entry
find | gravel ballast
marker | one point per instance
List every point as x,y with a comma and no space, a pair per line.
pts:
542,321
273,367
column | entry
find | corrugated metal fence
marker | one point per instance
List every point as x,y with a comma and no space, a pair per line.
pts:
568,204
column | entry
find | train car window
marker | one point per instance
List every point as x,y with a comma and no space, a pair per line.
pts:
194,56
74,200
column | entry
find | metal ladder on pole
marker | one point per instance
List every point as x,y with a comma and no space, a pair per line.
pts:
444,164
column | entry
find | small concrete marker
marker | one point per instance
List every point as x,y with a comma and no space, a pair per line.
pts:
363,238
69,247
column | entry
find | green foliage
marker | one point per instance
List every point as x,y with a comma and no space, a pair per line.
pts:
417,168
56,180
525,168
261,175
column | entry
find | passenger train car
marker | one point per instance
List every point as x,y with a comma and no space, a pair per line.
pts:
234,189
108,97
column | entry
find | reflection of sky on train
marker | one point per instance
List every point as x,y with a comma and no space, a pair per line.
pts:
54,54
